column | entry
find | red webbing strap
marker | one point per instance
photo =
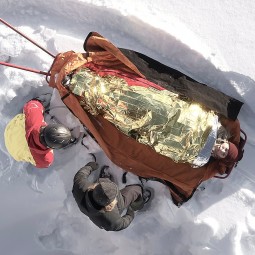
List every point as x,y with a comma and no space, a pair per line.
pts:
23,68
20,33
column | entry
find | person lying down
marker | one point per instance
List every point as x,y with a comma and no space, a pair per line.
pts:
180,129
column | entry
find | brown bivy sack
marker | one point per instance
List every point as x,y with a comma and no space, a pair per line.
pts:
124,151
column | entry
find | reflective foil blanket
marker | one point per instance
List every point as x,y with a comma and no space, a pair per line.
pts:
159,118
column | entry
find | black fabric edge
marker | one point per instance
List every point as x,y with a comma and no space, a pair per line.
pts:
86,39
231,105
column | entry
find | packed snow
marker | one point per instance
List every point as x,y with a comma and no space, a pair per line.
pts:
211,41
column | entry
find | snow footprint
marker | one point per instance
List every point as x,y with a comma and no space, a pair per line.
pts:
197,236
247,196
247,241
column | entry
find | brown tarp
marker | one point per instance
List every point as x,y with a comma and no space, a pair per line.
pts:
122,150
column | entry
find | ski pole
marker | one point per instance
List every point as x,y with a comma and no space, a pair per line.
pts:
23,68
17,31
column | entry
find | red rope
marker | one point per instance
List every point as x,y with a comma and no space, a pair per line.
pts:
24,68
17,31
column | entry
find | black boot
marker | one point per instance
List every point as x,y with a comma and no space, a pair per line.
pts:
146,195
104,173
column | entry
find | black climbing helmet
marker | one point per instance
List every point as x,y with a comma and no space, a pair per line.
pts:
56,136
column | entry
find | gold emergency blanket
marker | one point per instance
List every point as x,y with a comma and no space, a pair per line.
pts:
158,118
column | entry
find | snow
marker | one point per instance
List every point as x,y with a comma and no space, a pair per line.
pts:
211,41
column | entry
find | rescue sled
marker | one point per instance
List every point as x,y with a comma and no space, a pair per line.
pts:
126,152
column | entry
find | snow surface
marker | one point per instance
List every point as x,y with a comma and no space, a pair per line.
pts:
211,41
